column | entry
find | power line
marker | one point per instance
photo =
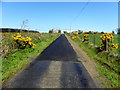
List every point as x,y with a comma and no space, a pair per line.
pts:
79,13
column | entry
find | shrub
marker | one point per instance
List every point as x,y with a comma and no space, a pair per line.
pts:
23,42
106,42
75,34
114,46
74,37
86,37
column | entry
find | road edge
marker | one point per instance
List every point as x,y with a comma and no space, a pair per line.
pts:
85,61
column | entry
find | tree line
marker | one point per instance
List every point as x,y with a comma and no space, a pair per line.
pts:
4,30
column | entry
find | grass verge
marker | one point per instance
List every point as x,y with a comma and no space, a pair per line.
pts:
17,59
106,68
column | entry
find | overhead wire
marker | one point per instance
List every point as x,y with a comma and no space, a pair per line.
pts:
78,15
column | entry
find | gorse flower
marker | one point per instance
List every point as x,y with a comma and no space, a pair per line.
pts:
106,39
107,36
86,37
23,42
17,37
114,46
74,37
75,34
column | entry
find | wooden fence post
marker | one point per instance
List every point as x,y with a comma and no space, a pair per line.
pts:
106,46
94,40
106,49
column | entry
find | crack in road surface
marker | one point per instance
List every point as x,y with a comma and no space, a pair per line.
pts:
55,67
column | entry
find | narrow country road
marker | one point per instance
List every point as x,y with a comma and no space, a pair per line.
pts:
56,67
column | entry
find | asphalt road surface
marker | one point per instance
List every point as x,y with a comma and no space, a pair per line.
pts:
56,67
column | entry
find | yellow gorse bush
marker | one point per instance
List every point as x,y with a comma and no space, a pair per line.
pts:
106,39
74,37
75,34
114,46
86,37
107,36
23,42
17,36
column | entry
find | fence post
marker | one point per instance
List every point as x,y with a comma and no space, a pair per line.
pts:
81,37
106,45
107,52
94,40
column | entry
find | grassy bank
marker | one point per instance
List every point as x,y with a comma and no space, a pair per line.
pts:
94,39
107,68
16,59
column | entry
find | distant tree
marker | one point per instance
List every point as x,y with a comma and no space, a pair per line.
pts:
50,31
80,31
65,32
59,31
90,32
96,32
118,31
102,32
86,32
113,32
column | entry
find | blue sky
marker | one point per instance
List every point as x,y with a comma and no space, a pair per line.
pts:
43,16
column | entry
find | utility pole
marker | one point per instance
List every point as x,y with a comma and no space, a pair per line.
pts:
70,31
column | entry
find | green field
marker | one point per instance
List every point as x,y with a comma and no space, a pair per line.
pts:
107,67
94,39
14,59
